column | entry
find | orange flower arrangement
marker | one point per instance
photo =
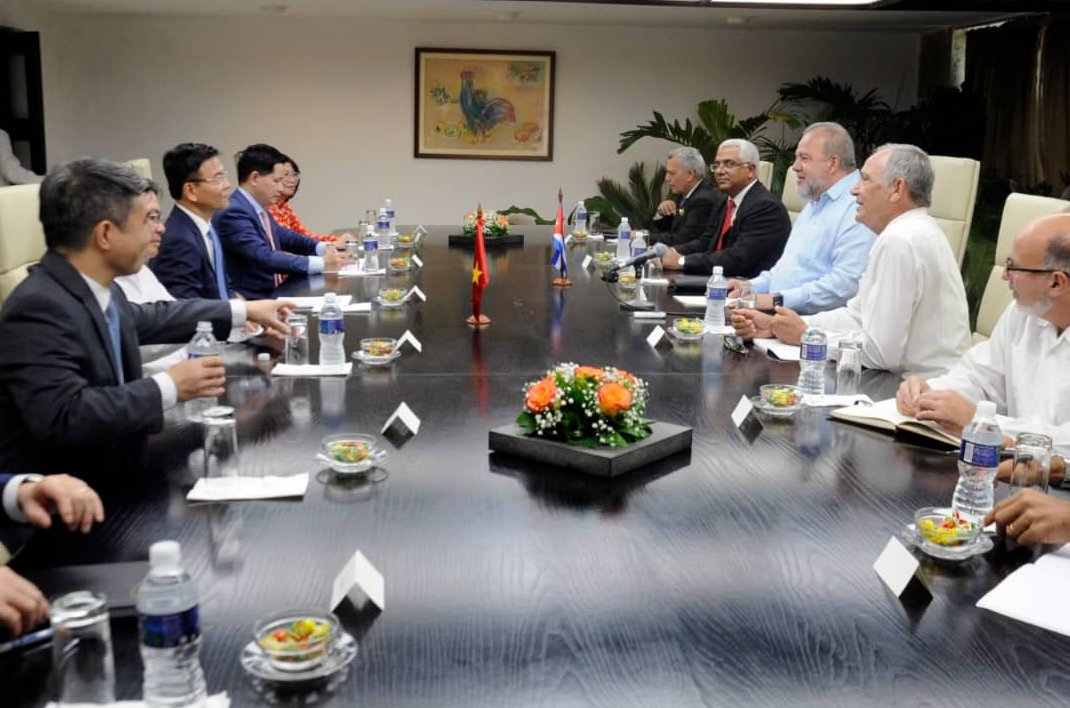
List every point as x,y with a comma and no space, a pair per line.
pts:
494,224
586,405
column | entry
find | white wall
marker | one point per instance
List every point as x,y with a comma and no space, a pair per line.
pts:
338,96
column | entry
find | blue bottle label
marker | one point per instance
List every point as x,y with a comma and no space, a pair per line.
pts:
383,223
371,245
979,455
167,631
390,213
813,352
337,326
717,293
638,251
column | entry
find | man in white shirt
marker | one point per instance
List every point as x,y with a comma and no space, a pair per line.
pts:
911,306
1022,367
11,170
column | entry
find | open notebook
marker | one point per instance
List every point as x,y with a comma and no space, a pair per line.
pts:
883,415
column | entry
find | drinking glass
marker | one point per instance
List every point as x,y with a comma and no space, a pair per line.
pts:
594,228
1032,462
221,458
81,649
297,341
849,366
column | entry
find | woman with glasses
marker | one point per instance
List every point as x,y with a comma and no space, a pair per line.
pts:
285,214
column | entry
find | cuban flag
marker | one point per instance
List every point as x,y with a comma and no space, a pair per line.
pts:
557,259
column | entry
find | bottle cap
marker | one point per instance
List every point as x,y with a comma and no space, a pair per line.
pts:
203,326
718,270
329,297
263,357
165,554
986,409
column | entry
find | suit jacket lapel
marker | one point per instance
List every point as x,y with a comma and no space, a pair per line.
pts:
193,229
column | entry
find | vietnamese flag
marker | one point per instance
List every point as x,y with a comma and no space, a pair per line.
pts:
480,276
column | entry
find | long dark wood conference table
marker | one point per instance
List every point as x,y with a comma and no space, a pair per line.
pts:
738,574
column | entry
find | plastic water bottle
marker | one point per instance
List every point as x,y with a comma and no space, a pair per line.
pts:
371,250
624,240
813,352
978,460
639,243
716,295
580,227
169,631
332,332
203,343
391,215
382,225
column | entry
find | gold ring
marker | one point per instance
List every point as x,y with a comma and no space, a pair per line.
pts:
1010,529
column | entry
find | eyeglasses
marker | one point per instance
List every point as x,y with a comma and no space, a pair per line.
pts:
214,179
727,164
291,177
1011,268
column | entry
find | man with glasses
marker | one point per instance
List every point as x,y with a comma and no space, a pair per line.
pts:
1022,367
828,248
685,219
191,262
746,234
259,252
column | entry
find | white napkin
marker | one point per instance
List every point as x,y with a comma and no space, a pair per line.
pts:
227,488
356,270
1027,594
691,300
312,370
784,352
838,400
219,700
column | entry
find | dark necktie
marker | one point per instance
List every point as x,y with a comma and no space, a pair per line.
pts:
111,314
217,259
730,209
266,221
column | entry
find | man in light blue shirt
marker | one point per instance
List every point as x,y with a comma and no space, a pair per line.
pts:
827,249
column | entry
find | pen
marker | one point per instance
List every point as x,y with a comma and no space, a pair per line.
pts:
41,635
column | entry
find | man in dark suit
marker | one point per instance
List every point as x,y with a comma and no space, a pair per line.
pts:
684,220
71,391
260,252
747,233
191,261
34,499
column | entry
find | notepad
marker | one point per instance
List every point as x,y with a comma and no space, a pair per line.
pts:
885,416
777,349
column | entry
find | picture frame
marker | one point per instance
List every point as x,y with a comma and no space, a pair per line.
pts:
484,104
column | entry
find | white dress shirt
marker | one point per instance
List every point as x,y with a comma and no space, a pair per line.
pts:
202,227
911,305
738,199
144,286
1022,369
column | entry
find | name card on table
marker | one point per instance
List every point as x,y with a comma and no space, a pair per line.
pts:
746,419
418,232
417,292
401,425
897,568
586,262
411,339
361,574
657,338
568,239
416,259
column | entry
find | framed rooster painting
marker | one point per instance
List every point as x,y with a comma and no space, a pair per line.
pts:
484,104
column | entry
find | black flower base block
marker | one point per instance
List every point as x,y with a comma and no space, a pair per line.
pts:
488,241
665,439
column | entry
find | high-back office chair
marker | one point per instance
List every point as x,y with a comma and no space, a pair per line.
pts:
954,195
22,240
765,173
790,195
140,165
1018,210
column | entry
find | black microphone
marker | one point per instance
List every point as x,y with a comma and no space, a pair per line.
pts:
659,250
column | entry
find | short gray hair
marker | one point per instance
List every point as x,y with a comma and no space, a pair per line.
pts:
690,159
77,196
1058,254
912,165
838,142
748,153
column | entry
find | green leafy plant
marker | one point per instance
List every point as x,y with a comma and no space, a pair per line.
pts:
867,118
637,200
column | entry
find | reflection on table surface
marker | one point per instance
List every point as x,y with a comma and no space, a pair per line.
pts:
738,574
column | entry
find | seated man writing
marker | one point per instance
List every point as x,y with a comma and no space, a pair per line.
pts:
911,306
746,234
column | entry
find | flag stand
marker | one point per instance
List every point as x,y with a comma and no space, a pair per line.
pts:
560,282
472,321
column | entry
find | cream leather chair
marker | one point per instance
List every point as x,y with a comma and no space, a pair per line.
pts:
140,165
790,196
22,240
1018,210
765,173
954,195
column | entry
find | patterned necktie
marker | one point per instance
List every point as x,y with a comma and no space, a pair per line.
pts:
111,314
729,212
217,262
266,221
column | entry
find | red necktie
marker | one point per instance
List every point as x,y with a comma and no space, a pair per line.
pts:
266,220
728,212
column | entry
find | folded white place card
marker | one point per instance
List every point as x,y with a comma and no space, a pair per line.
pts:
418,232
416,259
896,566
356,270
358,307
312,370
586,262
230,488
315,303
406,417
657,337
691,300
359,573
777,349
411,339
741,411
569,239
417,292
